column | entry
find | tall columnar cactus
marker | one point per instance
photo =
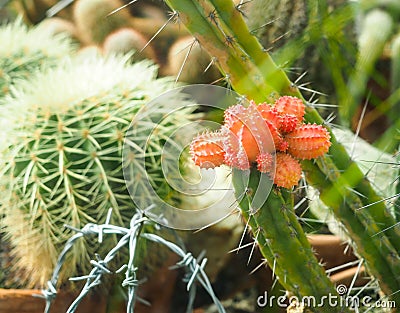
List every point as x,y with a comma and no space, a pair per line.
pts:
219,27
24,50
273,137
65,161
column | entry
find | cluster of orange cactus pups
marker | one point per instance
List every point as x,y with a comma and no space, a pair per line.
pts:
272,136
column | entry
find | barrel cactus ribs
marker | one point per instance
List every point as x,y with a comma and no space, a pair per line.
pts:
64,164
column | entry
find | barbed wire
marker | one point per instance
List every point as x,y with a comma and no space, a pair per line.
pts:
195,270
130,236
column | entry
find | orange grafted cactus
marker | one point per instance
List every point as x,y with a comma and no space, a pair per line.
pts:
207,150
235,154
246,134
273,121
288,171
257,133
308,141
290,105
241,136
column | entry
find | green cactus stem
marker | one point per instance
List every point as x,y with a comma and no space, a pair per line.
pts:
279,234
375,248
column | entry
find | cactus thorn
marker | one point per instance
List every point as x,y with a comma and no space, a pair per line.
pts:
173,15
121,8
254,244
213,61
237,249
262,263
189,47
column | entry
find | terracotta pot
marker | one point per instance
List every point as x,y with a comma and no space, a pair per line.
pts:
23,301
331,250
157,290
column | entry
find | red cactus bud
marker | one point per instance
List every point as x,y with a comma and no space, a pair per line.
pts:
207,150
269,114
275,122
288,123
265,162
282,146
308,141
290,105
235,154
288,171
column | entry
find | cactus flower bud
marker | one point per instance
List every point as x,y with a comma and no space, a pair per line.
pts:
207,150
308,141
290,105
287,123
288,171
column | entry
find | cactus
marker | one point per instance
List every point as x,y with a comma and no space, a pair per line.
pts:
128,40
24,50
281,16
219,27
266,135
94,22
65,161
35,11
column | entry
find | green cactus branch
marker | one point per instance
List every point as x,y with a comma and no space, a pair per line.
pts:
195,18
279,233
379,255
232,18
359,203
